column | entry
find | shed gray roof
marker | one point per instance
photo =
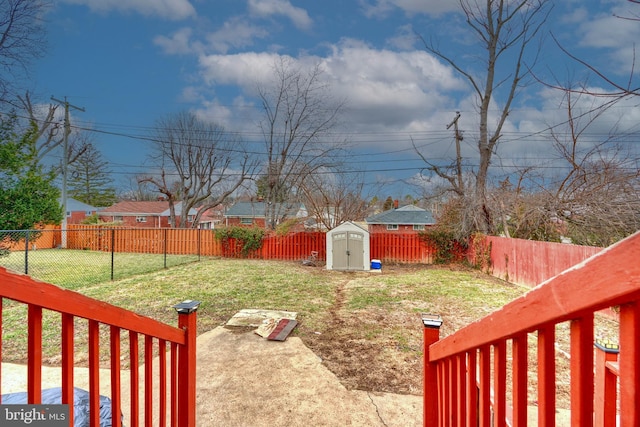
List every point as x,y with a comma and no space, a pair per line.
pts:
409,214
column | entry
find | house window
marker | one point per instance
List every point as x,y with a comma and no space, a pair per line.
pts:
246,221
418,227
190,218
392,227
118,218
141,219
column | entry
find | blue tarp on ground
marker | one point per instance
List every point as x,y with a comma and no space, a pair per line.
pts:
53,396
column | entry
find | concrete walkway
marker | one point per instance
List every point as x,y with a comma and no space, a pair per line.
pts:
245,380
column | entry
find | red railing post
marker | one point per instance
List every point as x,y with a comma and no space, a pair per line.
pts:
187,364
605,385
431,334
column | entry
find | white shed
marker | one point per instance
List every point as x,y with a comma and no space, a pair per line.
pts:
348,248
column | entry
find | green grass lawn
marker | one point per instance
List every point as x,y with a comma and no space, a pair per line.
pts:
382,309
365,326
75,269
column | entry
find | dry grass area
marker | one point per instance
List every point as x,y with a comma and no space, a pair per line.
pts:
365,326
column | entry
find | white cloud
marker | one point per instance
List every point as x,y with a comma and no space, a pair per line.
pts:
235,33
380,8
178,43
267,8
170,9
384,90
405,38
615,35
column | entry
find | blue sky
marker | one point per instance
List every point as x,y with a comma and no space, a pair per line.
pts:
130,63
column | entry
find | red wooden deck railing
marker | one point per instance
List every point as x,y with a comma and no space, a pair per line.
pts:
177,402
465,374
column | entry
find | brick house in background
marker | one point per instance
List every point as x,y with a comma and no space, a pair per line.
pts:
252,214
212,218
153,214
77,211
407,219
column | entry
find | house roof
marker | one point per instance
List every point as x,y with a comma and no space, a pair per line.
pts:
405,215
214,214
74,205
154,208
256,210
349,225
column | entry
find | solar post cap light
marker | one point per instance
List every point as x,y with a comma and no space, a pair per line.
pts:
187,306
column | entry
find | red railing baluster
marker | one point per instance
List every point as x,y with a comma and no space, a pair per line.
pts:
582,371
446,392
116,396
484,362
472,388
134,354
34,346
500,383
94,373
174,385
441,394
461,381
148,381
629,358
1,300
546,376
453,390
162,350
519,351
67,362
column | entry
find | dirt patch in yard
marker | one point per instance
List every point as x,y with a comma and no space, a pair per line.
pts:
378,348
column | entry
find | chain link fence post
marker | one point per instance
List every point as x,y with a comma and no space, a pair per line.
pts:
26,253
113,250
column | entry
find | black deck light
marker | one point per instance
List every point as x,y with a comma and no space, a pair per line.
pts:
187,306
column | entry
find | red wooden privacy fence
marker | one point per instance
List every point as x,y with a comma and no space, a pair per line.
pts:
528,262
465,374
400,248
387,247
175,402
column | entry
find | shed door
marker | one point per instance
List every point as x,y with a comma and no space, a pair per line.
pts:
348,251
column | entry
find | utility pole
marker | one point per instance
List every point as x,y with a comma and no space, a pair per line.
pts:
65,163
459,138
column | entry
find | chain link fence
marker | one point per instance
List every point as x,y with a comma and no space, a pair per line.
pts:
79,257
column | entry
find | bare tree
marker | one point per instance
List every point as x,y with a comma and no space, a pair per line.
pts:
506,30
298,117
200,165
49,131
598,197
22,39
333,197
595,201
